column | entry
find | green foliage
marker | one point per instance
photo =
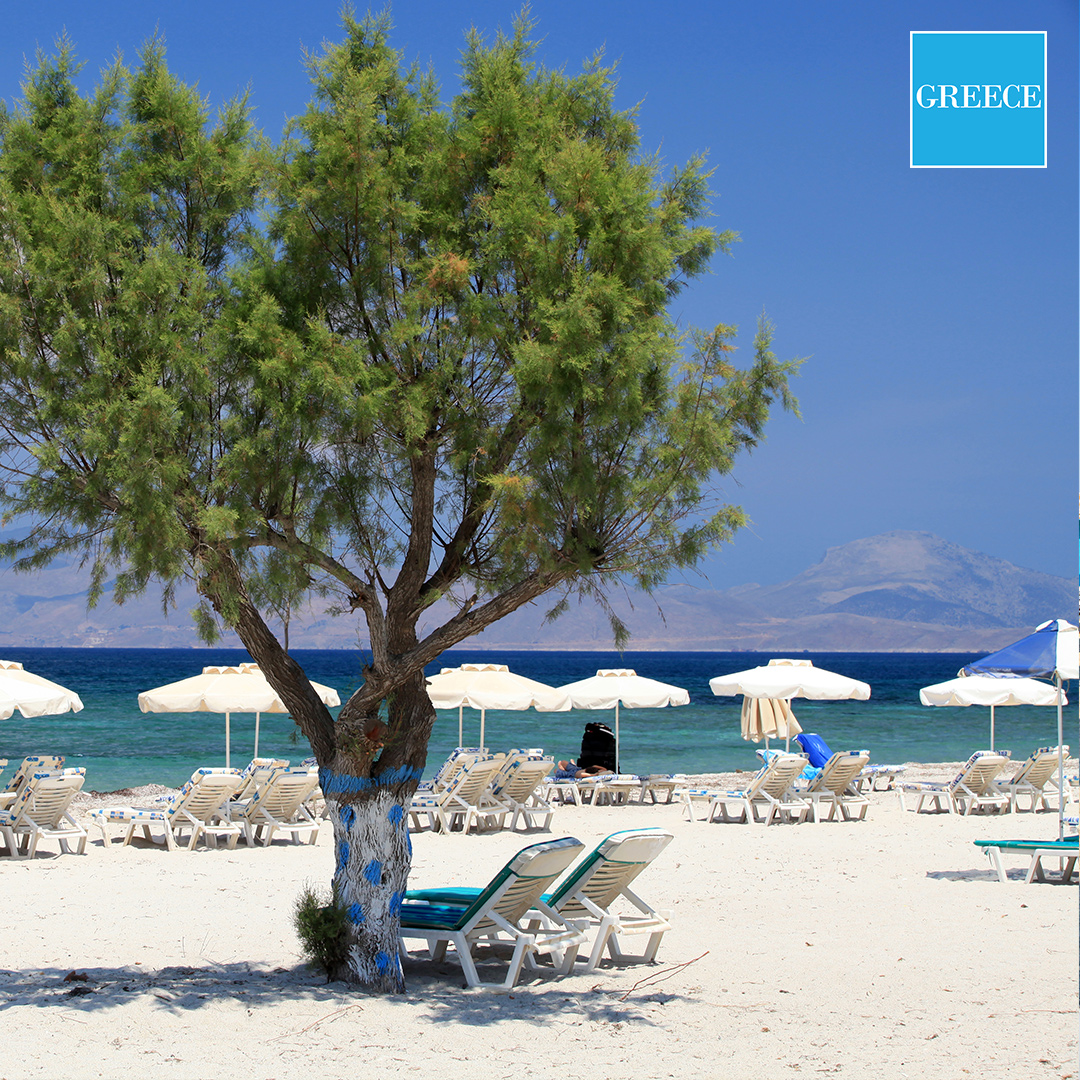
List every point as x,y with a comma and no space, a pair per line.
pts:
322,925
416,351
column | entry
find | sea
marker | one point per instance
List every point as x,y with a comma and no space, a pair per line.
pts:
121,747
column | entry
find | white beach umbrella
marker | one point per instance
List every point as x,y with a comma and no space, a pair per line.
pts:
786,679
992,690
491,686
32,694
242,689
611,687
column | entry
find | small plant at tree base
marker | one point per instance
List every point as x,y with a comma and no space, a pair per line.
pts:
322,928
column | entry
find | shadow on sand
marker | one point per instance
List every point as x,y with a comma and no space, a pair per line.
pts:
438,987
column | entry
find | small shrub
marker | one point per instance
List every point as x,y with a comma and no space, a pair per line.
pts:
322,927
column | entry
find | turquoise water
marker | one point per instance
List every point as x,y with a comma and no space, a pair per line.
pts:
121,747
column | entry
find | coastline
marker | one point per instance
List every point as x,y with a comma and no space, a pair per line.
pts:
886,944
934,772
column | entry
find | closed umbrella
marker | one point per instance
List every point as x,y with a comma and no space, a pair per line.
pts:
1052,651
242,689
992,690
782,680
768,718
491,686
610,687
32,694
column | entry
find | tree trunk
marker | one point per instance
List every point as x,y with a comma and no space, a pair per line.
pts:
372,853
372,849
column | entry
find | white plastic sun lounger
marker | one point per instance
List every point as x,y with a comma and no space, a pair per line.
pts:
198,808
40,812
971,789
497,913
771,789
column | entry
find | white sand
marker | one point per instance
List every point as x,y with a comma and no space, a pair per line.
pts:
884,947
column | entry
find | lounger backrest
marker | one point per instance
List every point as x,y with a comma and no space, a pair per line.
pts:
609,870
258,774
520,883
202,796
777,776
980,770
37,763
51,795
1038,768
839,771
471,783
502,775
457,759
45,797
524,778
281,798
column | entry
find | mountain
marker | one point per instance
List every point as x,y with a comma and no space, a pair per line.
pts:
898,592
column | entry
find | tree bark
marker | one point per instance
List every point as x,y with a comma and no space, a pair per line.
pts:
373,854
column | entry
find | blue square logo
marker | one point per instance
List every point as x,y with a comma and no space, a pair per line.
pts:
978,100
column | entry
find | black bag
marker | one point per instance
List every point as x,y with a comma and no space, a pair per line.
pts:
598,748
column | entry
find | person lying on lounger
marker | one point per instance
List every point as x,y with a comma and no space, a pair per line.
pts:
568,770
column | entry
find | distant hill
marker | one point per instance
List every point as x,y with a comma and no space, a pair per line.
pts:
898,592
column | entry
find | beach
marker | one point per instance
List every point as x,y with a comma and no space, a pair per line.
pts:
886,946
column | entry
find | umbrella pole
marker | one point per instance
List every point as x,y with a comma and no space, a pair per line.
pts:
482,712
226,740
460,728
616,737
255,754
991,727
1061,764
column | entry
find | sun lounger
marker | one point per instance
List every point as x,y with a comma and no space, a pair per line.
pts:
595,887
40,811
198,808
664,784
771,789
879,777
575,792
872,777
616,789
515,791
1032,778
29,765
279,805
1065,850
834,785
460,803
499,910
590,892
972,788
255,775
457,759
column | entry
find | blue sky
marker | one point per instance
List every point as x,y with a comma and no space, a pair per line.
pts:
938,307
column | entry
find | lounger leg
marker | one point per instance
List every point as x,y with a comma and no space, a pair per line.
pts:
1035,870
524,946
466,960
994,855
603,938
654,941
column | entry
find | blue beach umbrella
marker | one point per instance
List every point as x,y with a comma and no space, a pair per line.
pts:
1052,651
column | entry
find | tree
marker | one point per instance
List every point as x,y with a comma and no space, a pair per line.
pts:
446,369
